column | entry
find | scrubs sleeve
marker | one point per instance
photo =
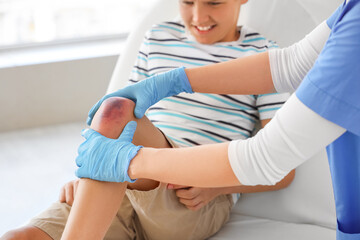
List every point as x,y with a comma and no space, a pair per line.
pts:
332,86
331,20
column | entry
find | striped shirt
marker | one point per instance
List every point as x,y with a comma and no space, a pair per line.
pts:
195,119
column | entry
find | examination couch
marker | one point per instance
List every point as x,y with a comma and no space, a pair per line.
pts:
36,162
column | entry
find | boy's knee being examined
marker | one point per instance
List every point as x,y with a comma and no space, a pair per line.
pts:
112,116
116,108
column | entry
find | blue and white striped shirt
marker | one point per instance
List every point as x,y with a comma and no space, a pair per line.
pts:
195,119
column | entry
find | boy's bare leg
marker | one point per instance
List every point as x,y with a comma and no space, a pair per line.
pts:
25,233
96,203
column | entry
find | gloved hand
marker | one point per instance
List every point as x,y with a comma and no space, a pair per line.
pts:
105,159
149,91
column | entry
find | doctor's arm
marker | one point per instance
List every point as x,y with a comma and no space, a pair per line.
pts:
294,135
195,198
279,70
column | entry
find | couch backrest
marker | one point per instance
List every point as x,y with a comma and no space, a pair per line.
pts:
309,199
162,10
286,21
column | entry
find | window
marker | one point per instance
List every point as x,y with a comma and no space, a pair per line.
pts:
39,21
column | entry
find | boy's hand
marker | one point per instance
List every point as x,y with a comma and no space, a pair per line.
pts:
194,198
149,91
68,192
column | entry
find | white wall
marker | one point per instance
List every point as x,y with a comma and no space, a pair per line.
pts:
52,93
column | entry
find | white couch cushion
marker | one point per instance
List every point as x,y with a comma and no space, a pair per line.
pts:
250,228
309,199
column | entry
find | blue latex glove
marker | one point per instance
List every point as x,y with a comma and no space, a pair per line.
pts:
149,91
105,159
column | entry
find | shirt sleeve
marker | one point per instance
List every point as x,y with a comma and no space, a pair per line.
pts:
332,86
295,134
331,20
290,65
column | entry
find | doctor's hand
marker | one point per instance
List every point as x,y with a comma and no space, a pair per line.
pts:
105,159
149,91
195,198
68,192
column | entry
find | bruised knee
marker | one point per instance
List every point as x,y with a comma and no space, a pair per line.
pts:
113,114
116,107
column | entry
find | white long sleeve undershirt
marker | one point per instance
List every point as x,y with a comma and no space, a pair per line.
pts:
290,65
296,133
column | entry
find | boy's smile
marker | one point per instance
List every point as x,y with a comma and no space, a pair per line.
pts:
204,29
211,21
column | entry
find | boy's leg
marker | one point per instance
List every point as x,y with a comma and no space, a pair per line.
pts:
109,121
28,232
96,203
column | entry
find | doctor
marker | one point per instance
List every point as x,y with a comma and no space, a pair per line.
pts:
323,68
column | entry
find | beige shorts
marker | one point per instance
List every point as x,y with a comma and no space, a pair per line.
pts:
156,214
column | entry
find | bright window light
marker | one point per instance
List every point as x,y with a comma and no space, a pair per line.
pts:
37,21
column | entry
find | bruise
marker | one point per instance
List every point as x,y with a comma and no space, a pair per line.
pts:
112,116
113,108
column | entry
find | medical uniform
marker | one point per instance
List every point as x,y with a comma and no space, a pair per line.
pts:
332,89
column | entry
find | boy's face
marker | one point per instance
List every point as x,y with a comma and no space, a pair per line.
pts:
211,21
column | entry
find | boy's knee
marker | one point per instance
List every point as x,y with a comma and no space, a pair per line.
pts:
116,108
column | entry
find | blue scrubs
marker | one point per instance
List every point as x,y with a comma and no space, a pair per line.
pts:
332,89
